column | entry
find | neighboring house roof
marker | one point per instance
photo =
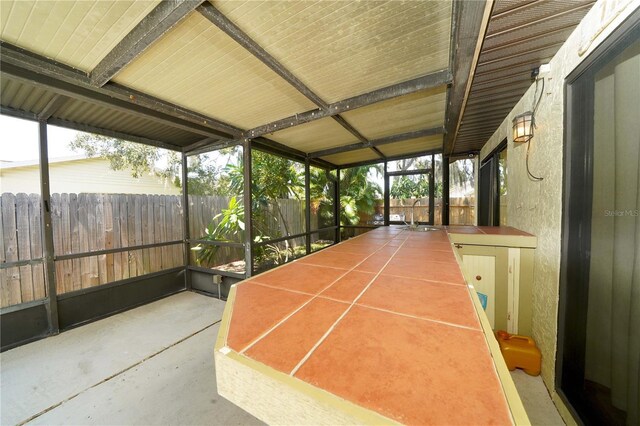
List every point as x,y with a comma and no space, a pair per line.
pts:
76,174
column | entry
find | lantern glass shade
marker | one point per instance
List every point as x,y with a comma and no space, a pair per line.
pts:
522,127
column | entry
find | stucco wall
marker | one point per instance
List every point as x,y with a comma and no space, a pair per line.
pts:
536,207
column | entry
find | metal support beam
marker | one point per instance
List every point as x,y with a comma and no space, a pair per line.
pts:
445,190
377,142
387,195
307,203
160,20
378,152
248,223
432,189
436,79
185,220
274,147
218,19
469,25
47,230
336,207
37,70
54,105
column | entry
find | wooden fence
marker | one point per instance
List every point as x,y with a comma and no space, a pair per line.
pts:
83,223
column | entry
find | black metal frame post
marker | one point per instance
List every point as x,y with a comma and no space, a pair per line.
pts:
248,223
307,204
445,190
185,221
387,195
336,206
432,190
47,230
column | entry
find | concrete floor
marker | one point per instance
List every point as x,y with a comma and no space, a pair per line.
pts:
150,365
536,400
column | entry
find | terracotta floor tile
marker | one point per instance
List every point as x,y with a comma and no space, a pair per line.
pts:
374,263
286,345
347,288
430,245
334,259
300,277
425,270
413,371
396,242
462,229
363,248
256,309
424,299
427,255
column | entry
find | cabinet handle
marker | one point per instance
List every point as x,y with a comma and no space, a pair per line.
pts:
478,277
458,246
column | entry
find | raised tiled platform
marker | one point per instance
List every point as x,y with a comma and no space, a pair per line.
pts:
384,322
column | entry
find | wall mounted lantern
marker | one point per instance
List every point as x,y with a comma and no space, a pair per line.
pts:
523,127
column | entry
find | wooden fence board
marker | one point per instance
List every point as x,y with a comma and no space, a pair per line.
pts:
24,246
11,293
37,252
100,239
108,235
74,224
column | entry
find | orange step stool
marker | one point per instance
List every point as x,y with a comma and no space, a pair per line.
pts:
519,352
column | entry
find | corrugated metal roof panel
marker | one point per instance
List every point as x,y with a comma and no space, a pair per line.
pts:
420,110
412,146
314,136
342,49
199,67
25,97
351,156
522,35
77,33
98,116
22,97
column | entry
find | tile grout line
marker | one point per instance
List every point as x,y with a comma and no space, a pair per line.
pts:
114,375
315,296
332,327
422,318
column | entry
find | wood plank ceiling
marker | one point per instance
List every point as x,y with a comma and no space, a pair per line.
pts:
342,82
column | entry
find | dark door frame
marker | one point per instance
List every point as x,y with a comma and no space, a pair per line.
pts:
489,191
576,218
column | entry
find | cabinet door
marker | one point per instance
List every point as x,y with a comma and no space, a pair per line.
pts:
486,268
481,272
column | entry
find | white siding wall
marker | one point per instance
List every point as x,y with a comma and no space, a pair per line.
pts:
88,175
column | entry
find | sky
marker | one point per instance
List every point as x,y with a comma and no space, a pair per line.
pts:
19,140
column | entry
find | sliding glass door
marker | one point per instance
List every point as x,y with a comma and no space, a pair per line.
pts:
599,330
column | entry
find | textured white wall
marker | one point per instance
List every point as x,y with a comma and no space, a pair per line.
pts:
536,207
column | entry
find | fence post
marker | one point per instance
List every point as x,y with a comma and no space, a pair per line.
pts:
307,203
45,206
248,223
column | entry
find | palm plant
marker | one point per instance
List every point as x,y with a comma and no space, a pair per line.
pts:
358,194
